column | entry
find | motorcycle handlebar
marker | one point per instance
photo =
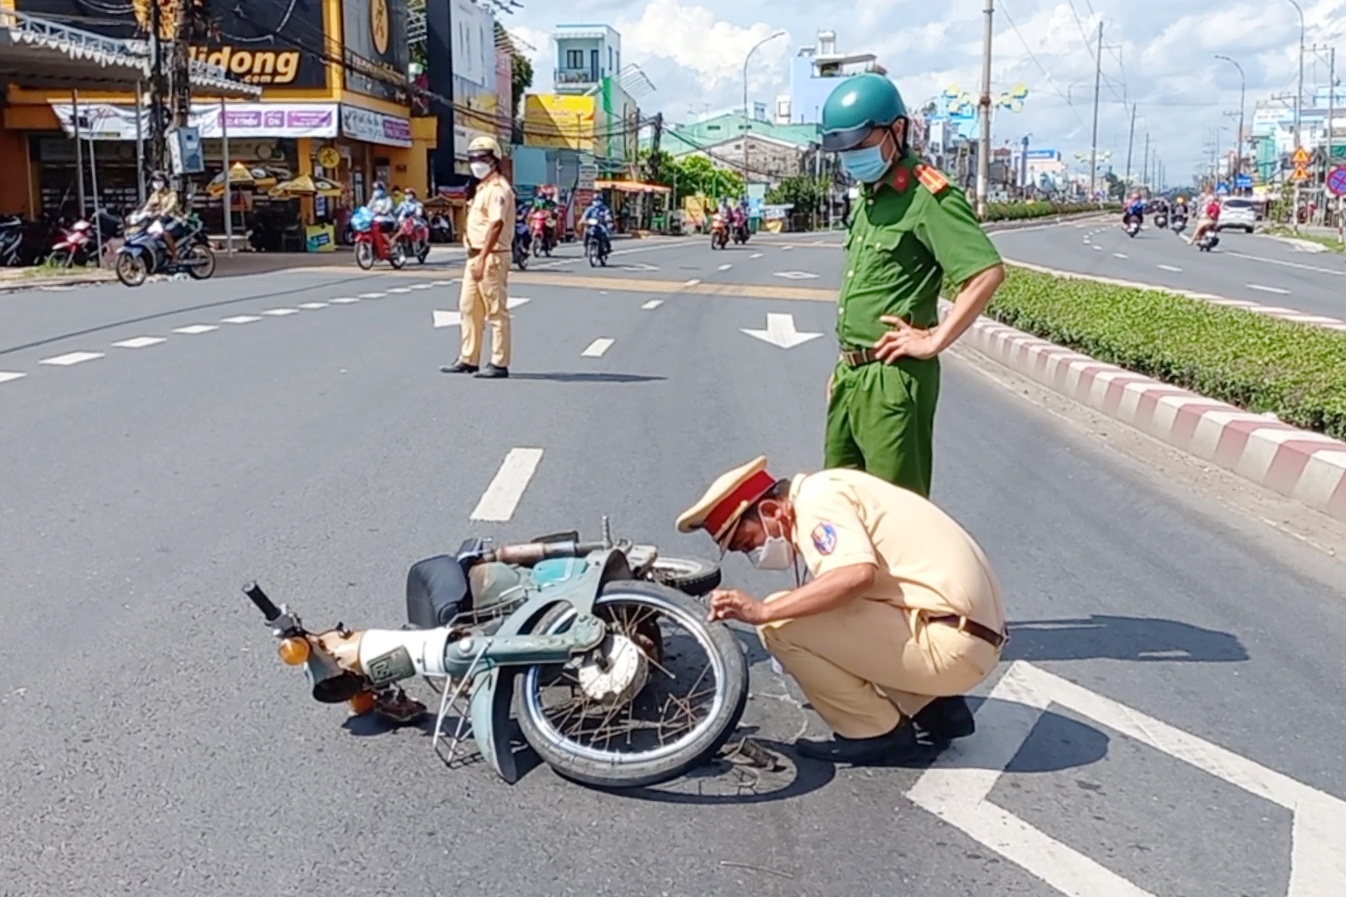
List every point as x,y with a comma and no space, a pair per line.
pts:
264,604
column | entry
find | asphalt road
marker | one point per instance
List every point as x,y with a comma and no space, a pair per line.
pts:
153,743
1252,268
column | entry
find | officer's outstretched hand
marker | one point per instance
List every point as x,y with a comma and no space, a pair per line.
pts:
731,604
904,340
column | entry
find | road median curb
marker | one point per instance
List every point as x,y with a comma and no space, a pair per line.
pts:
1302,465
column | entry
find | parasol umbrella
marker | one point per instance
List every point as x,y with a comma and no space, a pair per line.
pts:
300,186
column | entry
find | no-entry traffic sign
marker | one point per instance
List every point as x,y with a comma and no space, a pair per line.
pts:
1336,181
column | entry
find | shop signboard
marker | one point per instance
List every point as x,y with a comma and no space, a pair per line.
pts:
274,43
375,127
376,47
109,121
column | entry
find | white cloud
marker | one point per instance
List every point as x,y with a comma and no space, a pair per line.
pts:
1157,54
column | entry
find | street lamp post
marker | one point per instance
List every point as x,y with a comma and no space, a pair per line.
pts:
746,119
1299,102
1243,88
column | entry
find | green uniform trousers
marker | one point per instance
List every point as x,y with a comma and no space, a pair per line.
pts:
881,419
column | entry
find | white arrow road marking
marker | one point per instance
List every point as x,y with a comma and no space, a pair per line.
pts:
797,275
1258,286
241,319
652,304
597,348
6,376
71,358
453,318
780,331
197,328
139,342
958,786
502,496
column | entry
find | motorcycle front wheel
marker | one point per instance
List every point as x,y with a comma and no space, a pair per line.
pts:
131,269
364,255
660,696
591,253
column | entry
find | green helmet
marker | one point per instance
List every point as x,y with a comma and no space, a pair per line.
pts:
859,104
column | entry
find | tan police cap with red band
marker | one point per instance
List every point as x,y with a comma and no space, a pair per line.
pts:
727,498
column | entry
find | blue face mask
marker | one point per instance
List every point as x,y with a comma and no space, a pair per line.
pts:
866,164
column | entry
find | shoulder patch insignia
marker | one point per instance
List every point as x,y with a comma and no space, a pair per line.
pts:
825,538
931,178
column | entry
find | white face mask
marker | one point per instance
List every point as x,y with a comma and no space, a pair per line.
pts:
776,553
480,169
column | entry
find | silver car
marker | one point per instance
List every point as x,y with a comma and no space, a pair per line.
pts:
1237,212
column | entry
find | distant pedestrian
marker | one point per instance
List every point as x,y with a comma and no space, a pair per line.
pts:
486,276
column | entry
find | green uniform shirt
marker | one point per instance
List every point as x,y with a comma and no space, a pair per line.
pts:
902,241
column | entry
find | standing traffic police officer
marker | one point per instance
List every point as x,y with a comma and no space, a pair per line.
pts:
486,278
910,230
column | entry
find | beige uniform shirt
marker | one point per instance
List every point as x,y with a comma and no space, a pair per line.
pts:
493,201
925,559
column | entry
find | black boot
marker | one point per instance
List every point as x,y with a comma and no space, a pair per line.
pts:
895,747
492,372
944,719
458,367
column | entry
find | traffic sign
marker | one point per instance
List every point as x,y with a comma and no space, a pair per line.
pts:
1221,188
1336,181
1301,157
1299,174
1243,181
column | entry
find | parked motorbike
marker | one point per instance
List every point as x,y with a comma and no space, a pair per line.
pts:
79,243
23,242
601,649
145,252
375,244
522,238
414,234
719,232
441,229
596,250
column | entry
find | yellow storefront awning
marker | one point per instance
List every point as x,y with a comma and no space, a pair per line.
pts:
631,187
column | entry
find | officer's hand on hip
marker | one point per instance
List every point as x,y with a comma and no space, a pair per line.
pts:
905,340
731,604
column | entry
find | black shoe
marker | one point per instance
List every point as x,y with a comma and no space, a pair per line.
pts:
458,367
492,372
944,719
897,746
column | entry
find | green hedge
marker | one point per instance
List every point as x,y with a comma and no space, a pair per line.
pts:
1018,211
1295,371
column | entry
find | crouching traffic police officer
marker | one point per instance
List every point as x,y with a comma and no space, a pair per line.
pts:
484,295
901,617
910,229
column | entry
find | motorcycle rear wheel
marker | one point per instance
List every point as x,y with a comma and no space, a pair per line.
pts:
423,252
397,255
202,262
691,576
603,763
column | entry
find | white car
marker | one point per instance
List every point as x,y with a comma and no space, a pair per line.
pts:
1237,212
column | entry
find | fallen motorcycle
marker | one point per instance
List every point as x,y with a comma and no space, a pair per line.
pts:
601,649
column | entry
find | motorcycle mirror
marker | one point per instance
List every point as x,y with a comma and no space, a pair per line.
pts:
331,684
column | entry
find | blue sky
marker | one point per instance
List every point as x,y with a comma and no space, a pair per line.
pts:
1159,55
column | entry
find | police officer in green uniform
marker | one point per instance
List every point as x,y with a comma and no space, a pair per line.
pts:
910,228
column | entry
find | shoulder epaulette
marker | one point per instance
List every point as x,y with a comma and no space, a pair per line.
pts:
931,178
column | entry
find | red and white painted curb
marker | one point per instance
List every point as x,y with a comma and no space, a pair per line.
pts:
1305,466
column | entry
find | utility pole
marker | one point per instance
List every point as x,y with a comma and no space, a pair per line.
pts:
984,144
1145,167
1098,83
1130,144
158,87
1299,102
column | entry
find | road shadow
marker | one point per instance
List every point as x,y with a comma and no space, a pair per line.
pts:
587,377
1108,637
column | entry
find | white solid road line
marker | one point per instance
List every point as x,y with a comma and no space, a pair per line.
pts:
1265,289
279,312
652,304
71,358
1168,268
502,496
241,319
194,329
7,376
597,348
313,305
139,342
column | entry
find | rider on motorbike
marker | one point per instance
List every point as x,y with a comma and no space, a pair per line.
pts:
1210,217
599,212
1135,208
381,207
164,210
410,206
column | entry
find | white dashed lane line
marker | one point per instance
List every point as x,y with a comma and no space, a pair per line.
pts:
597,348
652,304
1119,255
755,255
693,282
194,329
281,312
241,319
71,358
502,496
7,376
372,295
1168,268
1266,289
345,300
312,306
140,342
724,267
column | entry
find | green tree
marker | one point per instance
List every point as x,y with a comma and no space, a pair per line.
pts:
1116,189
807,194
704,177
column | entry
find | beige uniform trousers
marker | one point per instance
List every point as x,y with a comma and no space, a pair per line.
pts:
483,302
855,662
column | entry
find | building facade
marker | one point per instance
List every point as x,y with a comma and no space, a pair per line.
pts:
585,55
814,74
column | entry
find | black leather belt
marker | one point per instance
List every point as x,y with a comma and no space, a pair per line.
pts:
985,633
473,253
857,357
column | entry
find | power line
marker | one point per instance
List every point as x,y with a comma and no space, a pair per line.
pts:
1041,67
